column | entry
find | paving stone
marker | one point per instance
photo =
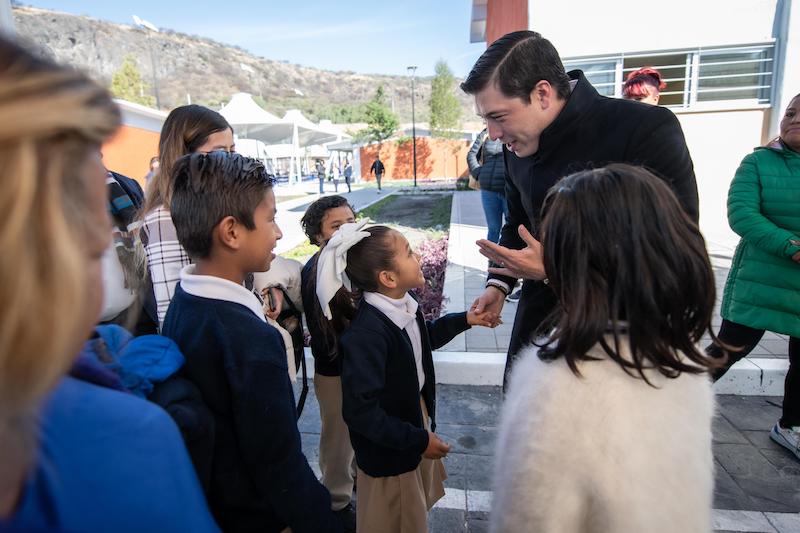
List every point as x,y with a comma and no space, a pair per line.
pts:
727,494
754,413
784,460
479,473
468,405
774,495
473,440
776,346
724,432
741,521
455,464
784,523
760,439
477,526
447,521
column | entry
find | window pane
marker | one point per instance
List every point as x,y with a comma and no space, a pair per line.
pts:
742,75
599,73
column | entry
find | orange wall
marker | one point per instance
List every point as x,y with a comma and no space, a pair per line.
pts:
505,16
129,151
436,158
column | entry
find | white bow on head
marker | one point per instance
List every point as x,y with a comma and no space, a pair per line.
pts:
332,262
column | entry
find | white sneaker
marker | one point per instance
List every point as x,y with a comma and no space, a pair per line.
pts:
789,438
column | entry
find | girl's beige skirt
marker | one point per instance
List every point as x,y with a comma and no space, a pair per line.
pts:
400,504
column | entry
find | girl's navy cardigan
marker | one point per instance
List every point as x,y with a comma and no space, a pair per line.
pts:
380,388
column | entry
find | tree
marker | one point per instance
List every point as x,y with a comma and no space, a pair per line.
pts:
381,122
127,83
445,108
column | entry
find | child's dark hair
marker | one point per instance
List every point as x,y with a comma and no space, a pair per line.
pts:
365,260
210,187
370,256
619,248
312,219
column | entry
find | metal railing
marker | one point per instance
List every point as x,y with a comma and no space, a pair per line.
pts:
732,76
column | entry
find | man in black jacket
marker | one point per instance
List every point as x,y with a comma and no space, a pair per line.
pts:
553,123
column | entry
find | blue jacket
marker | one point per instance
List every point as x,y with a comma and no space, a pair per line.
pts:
380,388
108,461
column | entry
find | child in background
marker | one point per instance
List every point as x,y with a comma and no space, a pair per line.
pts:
320,221
608,427
223,208
388,382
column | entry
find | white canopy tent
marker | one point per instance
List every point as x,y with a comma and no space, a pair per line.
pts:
251,121
246,116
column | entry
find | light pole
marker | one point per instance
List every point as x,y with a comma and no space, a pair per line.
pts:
412,70
148,27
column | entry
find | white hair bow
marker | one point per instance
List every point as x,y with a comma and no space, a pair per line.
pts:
332,262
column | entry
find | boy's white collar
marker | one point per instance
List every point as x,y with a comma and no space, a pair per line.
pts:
219,289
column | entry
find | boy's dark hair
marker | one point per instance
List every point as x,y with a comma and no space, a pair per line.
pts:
210,187
618,247
367,258
312,219
516,62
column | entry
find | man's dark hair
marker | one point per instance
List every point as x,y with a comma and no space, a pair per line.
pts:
312,219
622,256
516,62
210,187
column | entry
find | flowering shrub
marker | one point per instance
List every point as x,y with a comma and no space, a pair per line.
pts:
433,260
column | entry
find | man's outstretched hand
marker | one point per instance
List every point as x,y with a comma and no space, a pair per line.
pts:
526,263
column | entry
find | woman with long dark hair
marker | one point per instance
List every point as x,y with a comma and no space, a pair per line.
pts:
188,129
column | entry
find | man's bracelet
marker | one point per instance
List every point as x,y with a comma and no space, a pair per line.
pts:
498,287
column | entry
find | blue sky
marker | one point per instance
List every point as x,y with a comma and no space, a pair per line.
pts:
359,35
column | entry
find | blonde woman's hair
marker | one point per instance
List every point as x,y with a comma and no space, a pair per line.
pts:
51,118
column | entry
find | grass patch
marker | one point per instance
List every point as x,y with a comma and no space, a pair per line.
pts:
302,252
440,215
375,211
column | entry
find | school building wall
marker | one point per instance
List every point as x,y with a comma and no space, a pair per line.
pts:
129,151
436,158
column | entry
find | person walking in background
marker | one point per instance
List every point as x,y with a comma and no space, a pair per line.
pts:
377,168
348,173
607,427
320,168
761,293
336,171
553,123
644,85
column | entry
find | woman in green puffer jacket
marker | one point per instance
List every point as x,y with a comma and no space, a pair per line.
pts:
763,288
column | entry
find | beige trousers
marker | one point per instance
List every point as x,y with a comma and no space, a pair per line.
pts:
335,451
400,504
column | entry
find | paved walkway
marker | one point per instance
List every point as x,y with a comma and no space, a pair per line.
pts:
757,481
291,211
466,277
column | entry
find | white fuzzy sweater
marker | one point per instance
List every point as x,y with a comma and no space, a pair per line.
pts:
603,453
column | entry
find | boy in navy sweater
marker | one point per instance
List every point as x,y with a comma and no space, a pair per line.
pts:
223,208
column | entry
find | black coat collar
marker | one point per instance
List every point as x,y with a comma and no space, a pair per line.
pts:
582,99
